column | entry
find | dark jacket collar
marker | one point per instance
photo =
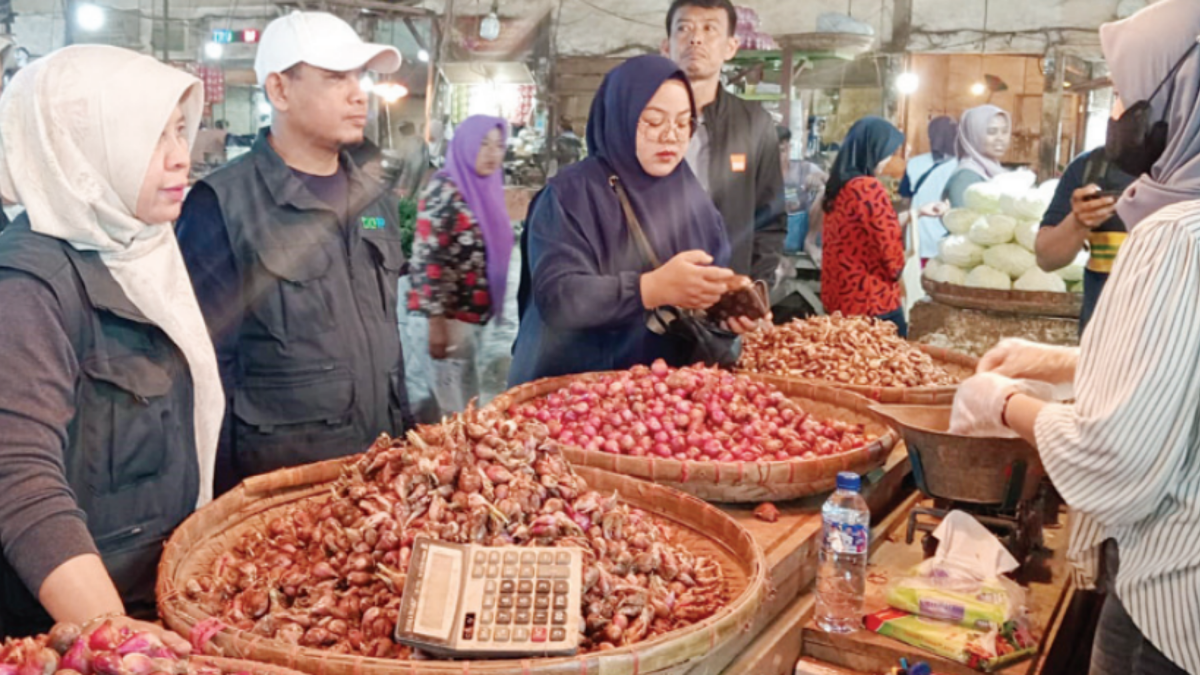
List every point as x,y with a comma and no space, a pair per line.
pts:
288,190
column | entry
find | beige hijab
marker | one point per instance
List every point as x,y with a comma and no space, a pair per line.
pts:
78,129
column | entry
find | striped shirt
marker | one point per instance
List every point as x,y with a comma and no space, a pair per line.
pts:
1127,453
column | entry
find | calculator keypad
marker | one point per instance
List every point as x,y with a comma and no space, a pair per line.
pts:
525,599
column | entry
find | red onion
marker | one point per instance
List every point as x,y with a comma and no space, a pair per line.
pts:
62,636
78,658
105,638
108,663
690,413
141,643
139,664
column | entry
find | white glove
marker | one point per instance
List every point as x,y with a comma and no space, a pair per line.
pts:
979,406
1025,360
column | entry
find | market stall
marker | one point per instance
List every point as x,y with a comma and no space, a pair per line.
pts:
985,283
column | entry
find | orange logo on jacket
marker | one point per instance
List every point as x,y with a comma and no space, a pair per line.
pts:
737,163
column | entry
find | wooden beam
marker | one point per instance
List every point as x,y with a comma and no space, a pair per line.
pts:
1052,115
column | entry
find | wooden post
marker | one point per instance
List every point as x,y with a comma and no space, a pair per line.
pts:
1052,114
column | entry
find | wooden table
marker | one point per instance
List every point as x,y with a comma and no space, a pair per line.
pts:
791,545
793,634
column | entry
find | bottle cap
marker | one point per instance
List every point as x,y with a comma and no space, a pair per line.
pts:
849,481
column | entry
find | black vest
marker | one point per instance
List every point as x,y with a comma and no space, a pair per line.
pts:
130,457
320,372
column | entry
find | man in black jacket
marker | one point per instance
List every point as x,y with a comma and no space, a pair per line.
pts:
295,255
734,151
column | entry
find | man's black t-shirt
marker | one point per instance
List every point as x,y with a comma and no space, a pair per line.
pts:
1105,239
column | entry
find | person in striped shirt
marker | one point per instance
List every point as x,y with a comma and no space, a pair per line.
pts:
1126,454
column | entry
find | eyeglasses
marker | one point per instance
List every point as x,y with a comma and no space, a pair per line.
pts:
658,130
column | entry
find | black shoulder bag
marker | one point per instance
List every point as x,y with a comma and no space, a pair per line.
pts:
699,338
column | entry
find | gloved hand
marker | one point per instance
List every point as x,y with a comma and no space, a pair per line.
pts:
1025,360
979,405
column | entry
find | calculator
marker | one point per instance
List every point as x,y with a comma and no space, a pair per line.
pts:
470,601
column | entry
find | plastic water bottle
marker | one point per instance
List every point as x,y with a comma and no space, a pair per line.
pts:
842,574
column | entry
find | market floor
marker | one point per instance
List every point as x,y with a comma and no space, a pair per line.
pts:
494,360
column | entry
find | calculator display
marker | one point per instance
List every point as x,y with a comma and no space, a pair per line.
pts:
439,595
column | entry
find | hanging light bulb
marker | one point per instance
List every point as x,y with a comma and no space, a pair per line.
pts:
489,28
214,50
907,83
391,92
89,17
423,56
978,89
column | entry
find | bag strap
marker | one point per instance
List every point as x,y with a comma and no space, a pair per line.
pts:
925,176
635,226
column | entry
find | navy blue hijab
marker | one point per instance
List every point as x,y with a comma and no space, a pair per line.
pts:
580,303
670,208
870,141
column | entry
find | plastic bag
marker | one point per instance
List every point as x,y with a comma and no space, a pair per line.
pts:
937,589
982,650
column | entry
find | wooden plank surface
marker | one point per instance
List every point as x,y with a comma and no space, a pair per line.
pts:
791,545
776,649
1049,584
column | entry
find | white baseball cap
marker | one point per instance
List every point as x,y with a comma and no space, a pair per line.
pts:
322,40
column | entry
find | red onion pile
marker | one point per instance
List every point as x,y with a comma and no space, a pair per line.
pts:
694,413
106,650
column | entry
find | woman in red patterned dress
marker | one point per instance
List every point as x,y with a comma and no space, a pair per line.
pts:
864,246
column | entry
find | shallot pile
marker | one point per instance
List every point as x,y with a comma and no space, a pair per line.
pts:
694,413
329,573
849,350
105,650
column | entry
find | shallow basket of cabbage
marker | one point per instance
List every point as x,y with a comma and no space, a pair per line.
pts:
1031,303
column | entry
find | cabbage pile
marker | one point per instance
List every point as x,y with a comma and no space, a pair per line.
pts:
991,241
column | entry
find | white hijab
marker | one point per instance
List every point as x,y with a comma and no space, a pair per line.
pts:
78,129
972,135
1141,51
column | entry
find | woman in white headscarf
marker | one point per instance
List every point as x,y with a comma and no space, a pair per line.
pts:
1126,454
984,136
111,404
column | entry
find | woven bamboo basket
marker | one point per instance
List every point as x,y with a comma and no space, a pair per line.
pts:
961,366
213,529
740,481
1032,303
235,666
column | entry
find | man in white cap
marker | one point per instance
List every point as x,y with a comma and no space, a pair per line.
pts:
295,256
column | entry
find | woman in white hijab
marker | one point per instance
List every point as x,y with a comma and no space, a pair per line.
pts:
984,136
111,403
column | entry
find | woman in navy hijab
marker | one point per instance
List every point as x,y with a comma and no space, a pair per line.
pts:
590,287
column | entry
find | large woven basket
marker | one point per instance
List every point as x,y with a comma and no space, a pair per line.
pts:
961,366
234,666
213,529
740,481
1032,303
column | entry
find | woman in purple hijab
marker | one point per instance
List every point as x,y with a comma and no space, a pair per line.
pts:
461,252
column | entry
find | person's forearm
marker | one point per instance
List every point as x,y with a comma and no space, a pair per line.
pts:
1021,414
1058,246
80,590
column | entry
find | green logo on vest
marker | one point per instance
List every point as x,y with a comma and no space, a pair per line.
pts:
373,223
